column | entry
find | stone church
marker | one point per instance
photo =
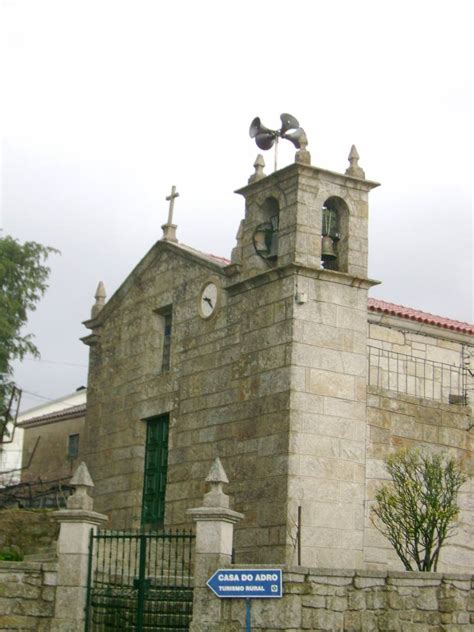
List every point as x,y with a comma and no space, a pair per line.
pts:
277,362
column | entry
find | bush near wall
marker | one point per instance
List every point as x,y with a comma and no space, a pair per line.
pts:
27,530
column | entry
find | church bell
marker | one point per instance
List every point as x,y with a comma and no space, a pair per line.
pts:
328,252
273,253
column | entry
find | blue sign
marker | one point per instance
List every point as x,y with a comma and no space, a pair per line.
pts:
246,583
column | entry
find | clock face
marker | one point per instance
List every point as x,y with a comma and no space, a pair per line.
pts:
208,300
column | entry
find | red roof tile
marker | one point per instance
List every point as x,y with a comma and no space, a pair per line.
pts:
72,411
376,305
222,260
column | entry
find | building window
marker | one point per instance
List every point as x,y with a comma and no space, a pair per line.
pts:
156,470
73,446
165,328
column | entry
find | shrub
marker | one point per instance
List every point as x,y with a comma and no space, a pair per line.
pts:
416,510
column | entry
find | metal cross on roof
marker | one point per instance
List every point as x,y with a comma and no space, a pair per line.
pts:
169,229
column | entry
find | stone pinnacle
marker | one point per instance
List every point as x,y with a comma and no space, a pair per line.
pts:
354,169
100,296
81,477
258,165
217,473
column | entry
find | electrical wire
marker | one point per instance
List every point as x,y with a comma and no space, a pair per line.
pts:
84,366
49,399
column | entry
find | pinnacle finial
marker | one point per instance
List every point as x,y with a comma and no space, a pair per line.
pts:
81,477
81,481
217,477
217,473
100,297
302,155
258,165
354,169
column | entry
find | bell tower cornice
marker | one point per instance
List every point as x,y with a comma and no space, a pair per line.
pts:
299,168
331,276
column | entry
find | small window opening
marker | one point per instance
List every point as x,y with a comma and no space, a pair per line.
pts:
167,317
73,446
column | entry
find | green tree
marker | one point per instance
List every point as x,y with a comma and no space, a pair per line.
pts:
23,281
416,510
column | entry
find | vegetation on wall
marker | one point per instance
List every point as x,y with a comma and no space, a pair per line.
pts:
417,509
25,531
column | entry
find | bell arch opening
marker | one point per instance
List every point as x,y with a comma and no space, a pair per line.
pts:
265,237
334,234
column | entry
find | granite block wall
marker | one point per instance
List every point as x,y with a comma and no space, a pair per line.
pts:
27,594
401,421
357,601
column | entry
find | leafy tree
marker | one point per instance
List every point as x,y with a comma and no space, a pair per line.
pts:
23,281
417,508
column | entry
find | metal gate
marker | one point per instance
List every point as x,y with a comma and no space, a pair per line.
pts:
140,581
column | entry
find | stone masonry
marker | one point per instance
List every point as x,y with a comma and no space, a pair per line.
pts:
359,601
27,594
275,382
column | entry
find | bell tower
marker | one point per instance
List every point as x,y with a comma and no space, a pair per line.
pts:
305,216
303,243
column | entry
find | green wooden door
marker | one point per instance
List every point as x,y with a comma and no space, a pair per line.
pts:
156,468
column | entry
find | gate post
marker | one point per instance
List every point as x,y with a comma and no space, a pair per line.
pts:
214,536
76,523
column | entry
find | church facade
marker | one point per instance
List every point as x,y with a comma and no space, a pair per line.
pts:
277,362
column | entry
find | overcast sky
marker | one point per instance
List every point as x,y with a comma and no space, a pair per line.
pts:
107,104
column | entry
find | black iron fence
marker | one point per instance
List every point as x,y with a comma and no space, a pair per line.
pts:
140,581
419,377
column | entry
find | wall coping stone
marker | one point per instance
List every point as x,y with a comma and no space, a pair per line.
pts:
80,515
414,575
331,572
458,576
342,572
371,574
215,514
28,566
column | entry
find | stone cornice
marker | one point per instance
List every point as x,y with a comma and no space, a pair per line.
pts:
340,178
294,268
80,515
215,514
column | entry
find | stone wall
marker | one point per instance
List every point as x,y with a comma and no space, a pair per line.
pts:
365,601
424,365
27,594
224,371
27,530
402,421
327,449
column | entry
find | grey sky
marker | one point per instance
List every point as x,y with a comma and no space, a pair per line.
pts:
107,104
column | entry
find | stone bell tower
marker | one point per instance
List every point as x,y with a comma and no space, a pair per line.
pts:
300,268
